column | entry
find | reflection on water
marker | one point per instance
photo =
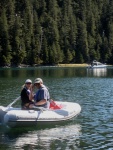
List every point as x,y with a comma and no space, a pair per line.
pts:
97,72
67,136
92,89
41,72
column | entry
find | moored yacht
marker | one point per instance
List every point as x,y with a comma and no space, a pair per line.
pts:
96,64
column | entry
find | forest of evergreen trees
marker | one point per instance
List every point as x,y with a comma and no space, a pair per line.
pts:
55,31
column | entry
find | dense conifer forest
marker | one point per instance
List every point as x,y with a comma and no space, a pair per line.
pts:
55,31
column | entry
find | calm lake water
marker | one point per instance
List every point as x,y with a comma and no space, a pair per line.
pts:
92,89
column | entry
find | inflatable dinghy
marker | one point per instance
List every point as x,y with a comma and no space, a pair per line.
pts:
61,111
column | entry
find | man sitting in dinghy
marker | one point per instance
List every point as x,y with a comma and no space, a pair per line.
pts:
25,93
42,95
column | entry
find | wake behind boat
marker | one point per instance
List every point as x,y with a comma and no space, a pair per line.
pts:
96,64
61,111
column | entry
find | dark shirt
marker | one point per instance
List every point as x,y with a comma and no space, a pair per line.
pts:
25,96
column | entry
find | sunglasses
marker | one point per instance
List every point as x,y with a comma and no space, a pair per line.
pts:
37,84
28,83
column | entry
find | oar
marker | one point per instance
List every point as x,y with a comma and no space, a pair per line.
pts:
15,100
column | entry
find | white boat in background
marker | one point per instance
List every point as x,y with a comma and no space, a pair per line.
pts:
96,64
62,111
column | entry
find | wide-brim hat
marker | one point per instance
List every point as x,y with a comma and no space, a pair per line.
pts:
38,80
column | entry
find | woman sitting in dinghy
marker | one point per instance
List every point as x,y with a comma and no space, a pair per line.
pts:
25,93
42,95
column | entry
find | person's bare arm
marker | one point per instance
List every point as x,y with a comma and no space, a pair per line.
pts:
41,102
31,95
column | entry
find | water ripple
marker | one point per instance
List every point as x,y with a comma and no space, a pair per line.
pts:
91,130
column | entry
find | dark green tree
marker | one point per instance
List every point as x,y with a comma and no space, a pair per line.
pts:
55,31
5,47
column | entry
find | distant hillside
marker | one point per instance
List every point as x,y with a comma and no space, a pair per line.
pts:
55,31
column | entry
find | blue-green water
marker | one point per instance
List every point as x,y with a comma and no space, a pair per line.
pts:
92,89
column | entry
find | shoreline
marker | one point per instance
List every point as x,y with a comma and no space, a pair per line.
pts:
72,65
56,65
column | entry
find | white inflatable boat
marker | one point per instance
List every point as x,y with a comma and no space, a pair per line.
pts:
62,111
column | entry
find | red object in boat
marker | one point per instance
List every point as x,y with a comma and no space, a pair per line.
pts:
53,105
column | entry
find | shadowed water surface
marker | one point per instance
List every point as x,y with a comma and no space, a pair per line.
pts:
92,89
